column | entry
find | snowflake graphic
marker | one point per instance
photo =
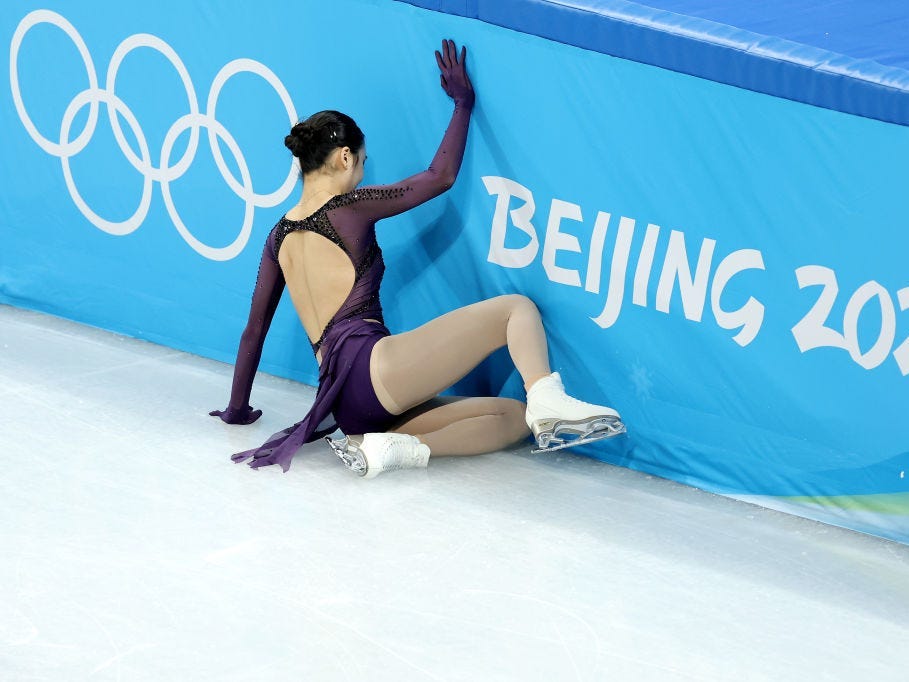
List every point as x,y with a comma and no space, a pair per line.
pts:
641,380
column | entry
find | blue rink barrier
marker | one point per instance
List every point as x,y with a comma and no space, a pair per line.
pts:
725,266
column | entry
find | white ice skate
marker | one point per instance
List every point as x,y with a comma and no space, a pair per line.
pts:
380,452
560,421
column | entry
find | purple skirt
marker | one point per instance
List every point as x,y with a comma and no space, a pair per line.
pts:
345,397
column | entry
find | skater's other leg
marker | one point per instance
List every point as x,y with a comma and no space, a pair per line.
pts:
465,426
409,369
442,426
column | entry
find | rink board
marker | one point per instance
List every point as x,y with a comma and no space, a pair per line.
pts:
725,265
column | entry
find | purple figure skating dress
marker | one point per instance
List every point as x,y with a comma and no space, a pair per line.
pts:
345,398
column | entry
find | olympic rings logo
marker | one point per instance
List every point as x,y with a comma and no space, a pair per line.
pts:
164,173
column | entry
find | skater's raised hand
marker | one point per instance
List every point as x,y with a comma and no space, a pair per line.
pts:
455,81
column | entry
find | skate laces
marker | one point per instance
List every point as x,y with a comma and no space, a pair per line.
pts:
392,453
570,400
380,452
397,451
556,389
547,399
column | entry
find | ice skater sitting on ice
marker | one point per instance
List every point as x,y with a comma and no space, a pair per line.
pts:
382,389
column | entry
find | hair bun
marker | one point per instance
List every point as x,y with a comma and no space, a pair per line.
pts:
313,139
300,139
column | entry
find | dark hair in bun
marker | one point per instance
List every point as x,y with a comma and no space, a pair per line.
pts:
312,140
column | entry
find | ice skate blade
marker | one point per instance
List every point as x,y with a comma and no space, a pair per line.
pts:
552,428
560,444
548,433
350,454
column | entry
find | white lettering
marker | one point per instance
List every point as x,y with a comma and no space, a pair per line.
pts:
812,330
595,261
520,218
676,271
616,292
560,241
901,354
676,268
645,265
881,348
750,316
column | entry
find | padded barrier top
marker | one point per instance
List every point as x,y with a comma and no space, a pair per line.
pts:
849,55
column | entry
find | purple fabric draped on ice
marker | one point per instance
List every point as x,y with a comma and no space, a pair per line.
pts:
339,347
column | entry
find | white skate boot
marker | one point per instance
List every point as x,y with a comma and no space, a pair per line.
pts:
380,452
552,415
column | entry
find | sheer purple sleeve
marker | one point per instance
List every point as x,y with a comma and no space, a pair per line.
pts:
267,294
383,201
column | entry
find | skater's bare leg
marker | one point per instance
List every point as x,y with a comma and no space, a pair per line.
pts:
409,369
466,426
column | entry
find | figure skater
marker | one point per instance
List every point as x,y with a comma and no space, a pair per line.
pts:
379,389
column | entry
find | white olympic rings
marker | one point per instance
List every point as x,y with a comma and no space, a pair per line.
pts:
163,173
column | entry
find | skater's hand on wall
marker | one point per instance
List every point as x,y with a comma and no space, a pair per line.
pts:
454,77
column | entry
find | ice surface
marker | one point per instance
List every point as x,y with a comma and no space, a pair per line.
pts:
132,548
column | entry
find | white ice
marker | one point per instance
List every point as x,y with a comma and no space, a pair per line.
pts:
132,548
